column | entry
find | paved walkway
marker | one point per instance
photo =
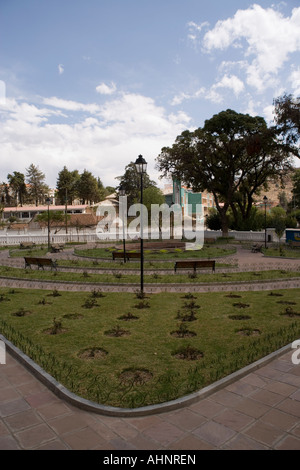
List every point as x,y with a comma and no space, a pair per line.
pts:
260,410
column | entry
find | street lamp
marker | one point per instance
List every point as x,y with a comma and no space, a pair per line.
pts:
265,203
48,202
122,193
141,168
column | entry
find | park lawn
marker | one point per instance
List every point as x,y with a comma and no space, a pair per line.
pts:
157,278
282,252
146,353
205,252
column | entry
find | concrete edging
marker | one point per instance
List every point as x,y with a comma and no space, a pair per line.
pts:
87,405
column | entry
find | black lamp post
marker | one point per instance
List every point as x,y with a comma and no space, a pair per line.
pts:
48,202
265,203
141,168
122,193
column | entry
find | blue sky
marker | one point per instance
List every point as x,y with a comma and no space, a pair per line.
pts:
92,84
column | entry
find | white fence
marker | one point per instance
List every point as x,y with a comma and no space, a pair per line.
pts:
10,239
245,236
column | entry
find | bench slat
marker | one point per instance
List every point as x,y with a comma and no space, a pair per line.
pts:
40,262
195,264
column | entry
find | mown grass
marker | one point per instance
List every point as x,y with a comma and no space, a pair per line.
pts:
282,252
149,345
206,252
157,278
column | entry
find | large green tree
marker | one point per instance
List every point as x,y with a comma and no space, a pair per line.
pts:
287,117
87,188
296,189
66,185
232,156
131,181
17,184
37,188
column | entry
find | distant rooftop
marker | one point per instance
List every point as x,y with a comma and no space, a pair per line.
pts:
44,208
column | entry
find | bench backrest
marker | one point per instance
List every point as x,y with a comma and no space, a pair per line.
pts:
195,263
38,261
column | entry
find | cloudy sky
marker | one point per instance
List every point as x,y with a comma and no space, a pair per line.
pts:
91,84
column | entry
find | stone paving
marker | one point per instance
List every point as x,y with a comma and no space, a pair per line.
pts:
256,412
259,411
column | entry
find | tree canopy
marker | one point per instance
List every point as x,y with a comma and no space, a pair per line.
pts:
231,156
17,184
131,182
37,187
287,117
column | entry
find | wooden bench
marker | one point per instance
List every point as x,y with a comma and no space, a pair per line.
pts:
256,248
120,255
25,245
195,265
39,262
57,248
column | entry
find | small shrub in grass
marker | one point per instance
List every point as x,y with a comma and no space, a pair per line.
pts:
55,293
90,303
21,312
128,316
118,275
188,353
189,316
93,353
290,312
183,332
156,276
140,295
239,317
97,293
72,316
191,305
189,296
85,274
56,328
241,305
233,296
248,332
142,304
3,298
192,275
44,302
117,331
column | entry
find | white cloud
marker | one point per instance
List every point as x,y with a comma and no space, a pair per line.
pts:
265,38
104,89
295,81
232,82
61,69
195,29
70,105
103,143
